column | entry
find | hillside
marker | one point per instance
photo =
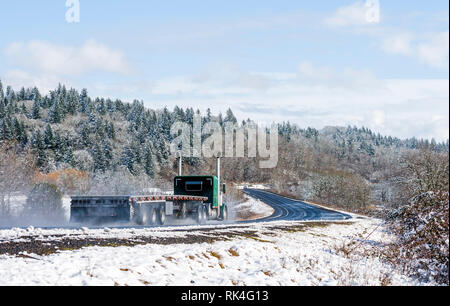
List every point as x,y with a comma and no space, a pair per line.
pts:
121,146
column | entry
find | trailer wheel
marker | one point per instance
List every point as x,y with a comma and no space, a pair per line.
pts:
140,215
145,215
183,211
161,215
153,216
201,214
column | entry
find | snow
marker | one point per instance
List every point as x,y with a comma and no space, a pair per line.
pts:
252,209
305,255
252,186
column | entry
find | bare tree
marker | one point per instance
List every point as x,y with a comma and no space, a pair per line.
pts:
16,174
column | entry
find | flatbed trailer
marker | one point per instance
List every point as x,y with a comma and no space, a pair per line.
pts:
142,210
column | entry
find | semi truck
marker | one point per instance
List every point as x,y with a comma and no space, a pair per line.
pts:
200,197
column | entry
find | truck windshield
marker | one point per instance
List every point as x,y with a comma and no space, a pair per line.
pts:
194,186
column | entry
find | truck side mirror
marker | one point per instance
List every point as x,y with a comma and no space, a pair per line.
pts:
224,189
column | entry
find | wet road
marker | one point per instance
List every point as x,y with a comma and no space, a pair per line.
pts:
287,209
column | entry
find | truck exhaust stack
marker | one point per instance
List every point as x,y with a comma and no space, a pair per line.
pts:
180,165
219,193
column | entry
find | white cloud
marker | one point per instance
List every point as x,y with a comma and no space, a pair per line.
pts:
357,14
346,78
379,118
433,49
398,44
47,58
19,78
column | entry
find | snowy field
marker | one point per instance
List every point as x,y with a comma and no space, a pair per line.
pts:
252,209
277,253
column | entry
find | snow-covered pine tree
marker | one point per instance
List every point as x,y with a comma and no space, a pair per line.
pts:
49,138
36,110
230,116
2,92
149,166
99,158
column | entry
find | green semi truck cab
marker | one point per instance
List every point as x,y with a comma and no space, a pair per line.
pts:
205,186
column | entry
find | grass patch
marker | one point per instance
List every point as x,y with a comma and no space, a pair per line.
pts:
233,252
216,255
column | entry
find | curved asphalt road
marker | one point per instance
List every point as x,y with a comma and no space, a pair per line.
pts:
287,209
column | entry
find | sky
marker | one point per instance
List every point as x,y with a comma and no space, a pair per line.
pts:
374,63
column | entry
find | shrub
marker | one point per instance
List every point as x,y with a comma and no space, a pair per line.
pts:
421,224
422,230
341,189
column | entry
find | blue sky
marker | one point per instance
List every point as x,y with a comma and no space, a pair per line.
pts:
315,63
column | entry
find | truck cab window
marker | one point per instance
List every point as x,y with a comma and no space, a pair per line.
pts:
194,186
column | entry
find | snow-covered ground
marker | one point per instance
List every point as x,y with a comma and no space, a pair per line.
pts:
282,253
252,209
253,186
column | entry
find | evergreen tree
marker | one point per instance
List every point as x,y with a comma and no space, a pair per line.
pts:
84,100
85,132
56,114
99,158
2,93
23,110
230,116
20,132
101,109
49,138
208,115
128,159
110,130
107,153
22,94
35,112
2,109
68,157
149,166
36,95
10,95
60,147
37,140
6,131
72,102
163,153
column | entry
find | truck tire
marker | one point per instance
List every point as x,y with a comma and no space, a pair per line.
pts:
153,218
224,213
138,215
208,211
201,214
182,213
161,215
145,215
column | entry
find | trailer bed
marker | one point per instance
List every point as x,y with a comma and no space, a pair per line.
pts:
113,201
126,208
